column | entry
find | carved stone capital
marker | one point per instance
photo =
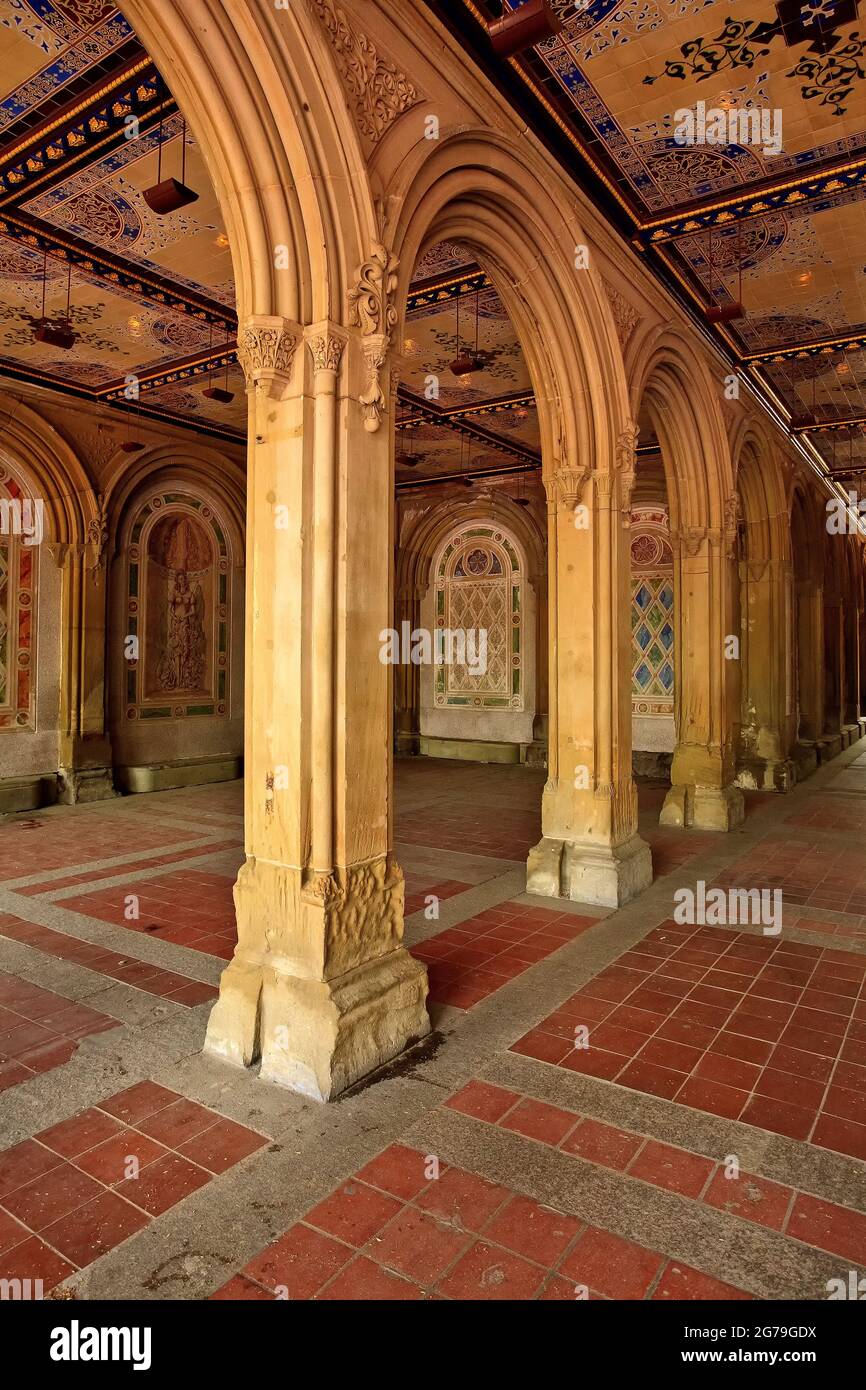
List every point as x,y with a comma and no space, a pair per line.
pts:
326,350
689,538
603,479
565,487
266,352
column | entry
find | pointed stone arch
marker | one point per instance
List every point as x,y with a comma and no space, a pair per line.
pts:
766,611
69,744
672,386
512,210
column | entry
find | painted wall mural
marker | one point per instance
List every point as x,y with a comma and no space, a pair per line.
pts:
18,589
178,606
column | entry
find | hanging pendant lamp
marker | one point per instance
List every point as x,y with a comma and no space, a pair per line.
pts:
168,195
222,394
467,362
517,30
725,313
57,333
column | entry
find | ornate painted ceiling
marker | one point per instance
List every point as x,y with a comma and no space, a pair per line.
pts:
152,297
788,215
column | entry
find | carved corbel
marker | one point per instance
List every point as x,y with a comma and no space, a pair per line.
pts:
372,309
97,534
266,352
689,538
732,521
626,467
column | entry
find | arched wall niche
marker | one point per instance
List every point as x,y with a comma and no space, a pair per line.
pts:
479,581
653,631
51,584
175,648
422,724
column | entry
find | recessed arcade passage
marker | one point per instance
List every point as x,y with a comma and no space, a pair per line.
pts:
431,649
719,1040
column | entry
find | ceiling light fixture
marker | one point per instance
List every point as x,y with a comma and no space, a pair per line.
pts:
517,30
222,394
466,362
725,313
133,446
168,195
406,458
57,333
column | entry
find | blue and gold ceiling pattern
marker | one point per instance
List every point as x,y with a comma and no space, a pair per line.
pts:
154,296
788,215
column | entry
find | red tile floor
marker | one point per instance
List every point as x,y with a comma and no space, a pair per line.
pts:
465,964
180,989
393,1232
768,1031
82,1187
40,1030
746,1028
189,907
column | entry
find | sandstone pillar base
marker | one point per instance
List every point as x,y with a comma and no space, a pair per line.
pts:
829,746
805,759
767,774
703,808
319,1036
78,786
589,873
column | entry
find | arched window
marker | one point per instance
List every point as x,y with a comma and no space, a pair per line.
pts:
20,534
652,620
177,610
479,594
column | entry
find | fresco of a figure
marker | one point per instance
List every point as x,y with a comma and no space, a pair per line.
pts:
180,606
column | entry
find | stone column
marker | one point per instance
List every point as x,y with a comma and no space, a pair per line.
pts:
853,619
540,724
85,762
810,661
407,732
703,769
590,850
764,733
830,742
321,987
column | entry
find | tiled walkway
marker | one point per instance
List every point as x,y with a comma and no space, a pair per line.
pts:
616,1105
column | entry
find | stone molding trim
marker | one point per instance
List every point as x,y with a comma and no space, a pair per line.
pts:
377,91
